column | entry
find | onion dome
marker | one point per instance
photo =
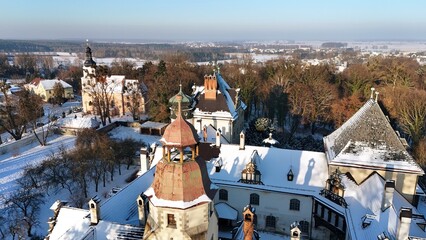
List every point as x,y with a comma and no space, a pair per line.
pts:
88,62
186,102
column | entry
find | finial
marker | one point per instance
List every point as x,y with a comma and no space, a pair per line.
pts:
377,95
180,87
372,92
87,42
179,100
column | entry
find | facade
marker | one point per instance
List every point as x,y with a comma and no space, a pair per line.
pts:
127,96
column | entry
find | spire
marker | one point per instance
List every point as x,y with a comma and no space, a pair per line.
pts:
88,62
179,100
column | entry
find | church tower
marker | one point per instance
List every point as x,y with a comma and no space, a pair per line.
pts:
180,197
89,67
89,73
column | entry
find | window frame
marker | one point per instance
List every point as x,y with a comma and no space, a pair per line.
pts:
254,199
223,194
294,204
270,222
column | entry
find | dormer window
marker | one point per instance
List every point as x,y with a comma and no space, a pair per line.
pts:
250,174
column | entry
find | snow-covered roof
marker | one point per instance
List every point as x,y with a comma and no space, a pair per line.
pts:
364,204
368,140
80,122
154,125
224,104
225,211
50,83
112,209
211,135
309,168
115,220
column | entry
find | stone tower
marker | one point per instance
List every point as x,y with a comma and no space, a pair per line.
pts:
180,197
89,74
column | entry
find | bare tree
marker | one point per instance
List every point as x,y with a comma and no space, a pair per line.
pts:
10,119
24,205
101,91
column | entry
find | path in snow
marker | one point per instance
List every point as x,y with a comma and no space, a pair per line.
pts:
12,167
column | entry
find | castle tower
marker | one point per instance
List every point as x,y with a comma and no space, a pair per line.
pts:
180,198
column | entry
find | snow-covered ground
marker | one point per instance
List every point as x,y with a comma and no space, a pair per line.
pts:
13,163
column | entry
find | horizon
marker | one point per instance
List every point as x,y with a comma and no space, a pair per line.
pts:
219,21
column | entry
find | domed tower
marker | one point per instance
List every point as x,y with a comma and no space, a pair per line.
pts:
180,197
186,103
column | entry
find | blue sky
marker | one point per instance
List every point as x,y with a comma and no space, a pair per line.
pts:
224,20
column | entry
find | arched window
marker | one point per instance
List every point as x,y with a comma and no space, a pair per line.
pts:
304,227
254,199
223,195
270,221
294,204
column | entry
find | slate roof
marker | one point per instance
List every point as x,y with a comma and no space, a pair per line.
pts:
367,138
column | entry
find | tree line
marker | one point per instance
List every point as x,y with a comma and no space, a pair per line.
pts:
301,96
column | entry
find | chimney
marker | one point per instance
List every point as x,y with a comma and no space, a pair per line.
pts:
248,222
242,140
237,96
372,92
210,87
141,209
387,199
403,230
144,154
94,210
217,138
295,231
205,133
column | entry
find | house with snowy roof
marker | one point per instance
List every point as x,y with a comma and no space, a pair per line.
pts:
219,105
45,88
200,190
127,96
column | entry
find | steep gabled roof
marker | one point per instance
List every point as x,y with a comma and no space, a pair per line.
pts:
225,101
368,138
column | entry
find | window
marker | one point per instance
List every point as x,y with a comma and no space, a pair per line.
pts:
304,227
270,222
171,222
254,199
223,195
294,204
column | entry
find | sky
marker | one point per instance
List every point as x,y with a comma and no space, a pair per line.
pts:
220,20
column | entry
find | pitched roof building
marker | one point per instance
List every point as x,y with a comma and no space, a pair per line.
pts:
367,190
